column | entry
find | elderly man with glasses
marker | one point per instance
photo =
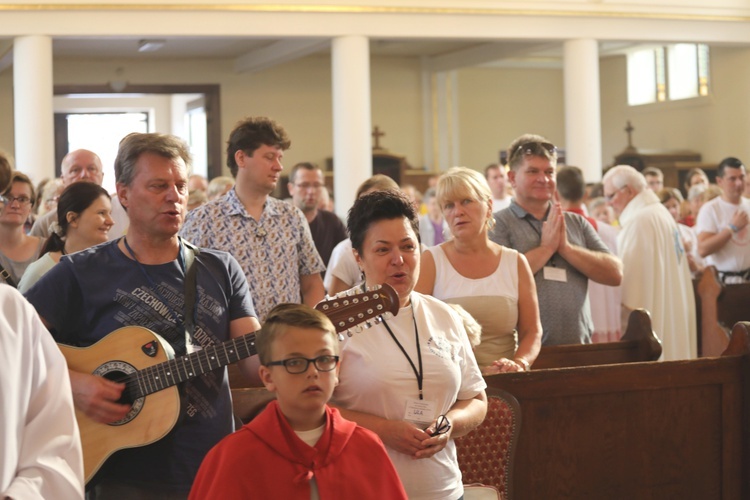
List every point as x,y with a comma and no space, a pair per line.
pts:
562,248
651,249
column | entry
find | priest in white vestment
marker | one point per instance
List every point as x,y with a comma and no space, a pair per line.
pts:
656,275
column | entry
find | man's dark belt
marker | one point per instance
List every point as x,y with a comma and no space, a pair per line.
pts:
745,275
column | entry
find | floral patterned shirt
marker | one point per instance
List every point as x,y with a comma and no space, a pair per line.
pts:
274,252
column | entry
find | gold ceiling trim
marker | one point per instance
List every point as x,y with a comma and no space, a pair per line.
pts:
366,9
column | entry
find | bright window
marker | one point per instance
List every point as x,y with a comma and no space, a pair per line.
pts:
668,73
641,77
101,133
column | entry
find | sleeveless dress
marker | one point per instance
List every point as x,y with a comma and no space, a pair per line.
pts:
16,268
492,301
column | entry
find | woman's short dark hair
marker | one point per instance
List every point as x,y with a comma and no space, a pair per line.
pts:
377,206
75,198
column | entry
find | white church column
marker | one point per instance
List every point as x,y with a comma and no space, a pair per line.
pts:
583,128
32,106
352,140
446,109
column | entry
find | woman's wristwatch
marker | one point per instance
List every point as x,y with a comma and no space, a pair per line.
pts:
522,361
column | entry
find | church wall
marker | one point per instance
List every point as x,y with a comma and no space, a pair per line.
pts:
7,134
396,95
716,126
297,94
496,105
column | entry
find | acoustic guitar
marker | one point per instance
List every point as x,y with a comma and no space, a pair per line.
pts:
137,357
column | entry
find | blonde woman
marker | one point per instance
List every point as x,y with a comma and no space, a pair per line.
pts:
493,283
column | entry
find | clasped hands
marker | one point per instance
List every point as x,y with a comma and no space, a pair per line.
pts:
405,438
554,232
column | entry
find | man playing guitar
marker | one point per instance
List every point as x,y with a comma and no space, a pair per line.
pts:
143,279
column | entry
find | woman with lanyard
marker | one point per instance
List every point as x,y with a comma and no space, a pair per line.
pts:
413,379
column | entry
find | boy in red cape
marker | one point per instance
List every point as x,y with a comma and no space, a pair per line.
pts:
298,447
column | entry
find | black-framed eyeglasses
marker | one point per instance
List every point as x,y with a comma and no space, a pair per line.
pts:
442,425
22,200
295,366
534,148
3,200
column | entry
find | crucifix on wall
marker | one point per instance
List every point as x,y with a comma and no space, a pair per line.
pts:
629,129
377,134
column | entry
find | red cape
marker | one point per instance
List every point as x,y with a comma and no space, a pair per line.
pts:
266,459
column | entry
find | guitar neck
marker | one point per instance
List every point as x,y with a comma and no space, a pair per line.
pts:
183,368
346,312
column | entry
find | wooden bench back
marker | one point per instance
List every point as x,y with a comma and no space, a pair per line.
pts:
649,430
639,343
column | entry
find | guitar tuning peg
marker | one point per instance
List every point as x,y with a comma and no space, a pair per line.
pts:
341,337
349,333
358,328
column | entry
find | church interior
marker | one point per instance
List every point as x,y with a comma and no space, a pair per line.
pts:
435,84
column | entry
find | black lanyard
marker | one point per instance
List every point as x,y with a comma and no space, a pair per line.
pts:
419,373
180,258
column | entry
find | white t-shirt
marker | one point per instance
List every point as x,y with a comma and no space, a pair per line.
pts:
716,215
40,446
377,378
498,204
343,265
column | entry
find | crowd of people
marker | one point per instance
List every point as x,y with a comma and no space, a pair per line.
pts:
488,267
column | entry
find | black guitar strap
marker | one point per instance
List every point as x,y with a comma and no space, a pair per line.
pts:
6,276
191,288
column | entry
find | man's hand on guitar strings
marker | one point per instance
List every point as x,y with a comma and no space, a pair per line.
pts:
97,397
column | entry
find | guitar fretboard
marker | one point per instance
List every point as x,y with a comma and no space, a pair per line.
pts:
183,368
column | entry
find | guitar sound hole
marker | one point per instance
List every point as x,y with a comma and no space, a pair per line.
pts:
116,376
119,371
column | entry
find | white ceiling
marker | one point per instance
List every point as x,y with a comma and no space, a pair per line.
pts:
252,54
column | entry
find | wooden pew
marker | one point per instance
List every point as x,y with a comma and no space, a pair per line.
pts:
637,344
718,306
652,430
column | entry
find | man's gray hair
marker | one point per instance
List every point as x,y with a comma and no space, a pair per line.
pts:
625,175
133,145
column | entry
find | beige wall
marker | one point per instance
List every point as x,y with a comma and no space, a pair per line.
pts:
7,135
496,105
716,126
297,94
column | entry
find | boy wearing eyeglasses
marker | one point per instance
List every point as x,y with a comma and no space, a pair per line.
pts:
298,447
